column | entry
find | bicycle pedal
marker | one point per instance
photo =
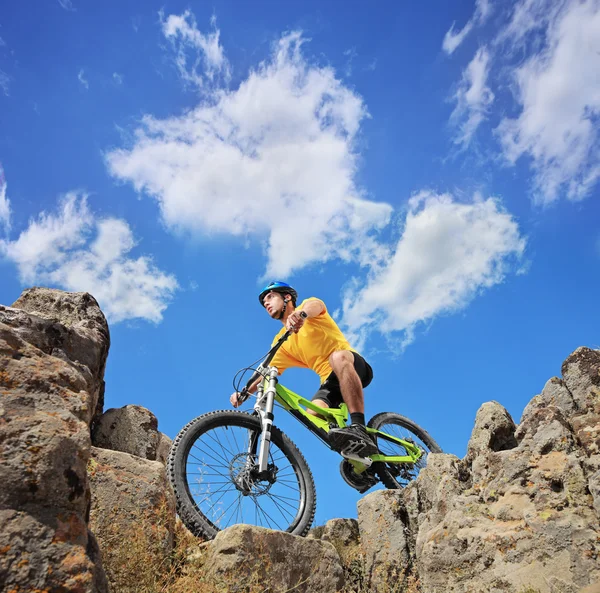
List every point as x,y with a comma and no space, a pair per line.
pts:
346,454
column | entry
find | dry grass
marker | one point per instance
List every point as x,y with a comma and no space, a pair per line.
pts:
140,557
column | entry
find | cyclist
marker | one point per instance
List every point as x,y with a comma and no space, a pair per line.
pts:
322,347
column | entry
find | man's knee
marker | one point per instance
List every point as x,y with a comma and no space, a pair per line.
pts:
318,402
341,358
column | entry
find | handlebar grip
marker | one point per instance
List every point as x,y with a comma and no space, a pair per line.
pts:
243,395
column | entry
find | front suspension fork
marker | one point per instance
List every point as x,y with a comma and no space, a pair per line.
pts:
265,412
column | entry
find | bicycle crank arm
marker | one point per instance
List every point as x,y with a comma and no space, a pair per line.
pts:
364,460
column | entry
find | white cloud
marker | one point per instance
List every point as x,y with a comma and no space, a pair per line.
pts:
82,80
117,78
4,203
208,57
78,252
350,57
527,17
448,253
473,97
558,90
275,159
67,4
5,83
454,38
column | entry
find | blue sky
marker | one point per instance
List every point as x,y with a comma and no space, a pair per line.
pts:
430,170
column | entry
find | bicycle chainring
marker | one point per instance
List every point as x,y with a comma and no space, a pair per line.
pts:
361,482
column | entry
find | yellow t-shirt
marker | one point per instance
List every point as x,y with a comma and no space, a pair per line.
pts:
312,346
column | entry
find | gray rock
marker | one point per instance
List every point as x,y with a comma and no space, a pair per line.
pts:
384,536
130,429
555,393
494,430
46,551
50,384
85,343
581,375
242,557
344,535
341,532
526,514
163,448
131,503
594,487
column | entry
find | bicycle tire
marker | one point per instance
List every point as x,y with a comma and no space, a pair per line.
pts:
393,476
190,510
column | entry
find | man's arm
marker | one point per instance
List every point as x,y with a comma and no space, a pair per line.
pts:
313,307
234,398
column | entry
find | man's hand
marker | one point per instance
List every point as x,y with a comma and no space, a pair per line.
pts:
234,398
295,321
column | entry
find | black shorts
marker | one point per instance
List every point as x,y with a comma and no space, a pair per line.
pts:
330,391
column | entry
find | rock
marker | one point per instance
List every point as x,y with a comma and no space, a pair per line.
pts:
50,383
494,431
344,535
594,486
163,448
384,536
132,514
72,328
243,556
46,551
341,532
581,374
130,429
522,509
555,393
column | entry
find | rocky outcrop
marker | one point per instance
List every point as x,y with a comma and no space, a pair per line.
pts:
130,429
131,500
245,558
53,348
519,513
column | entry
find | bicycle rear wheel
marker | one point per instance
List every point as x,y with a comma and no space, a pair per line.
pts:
213,468
395,475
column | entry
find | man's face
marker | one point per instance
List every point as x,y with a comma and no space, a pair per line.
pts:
273,303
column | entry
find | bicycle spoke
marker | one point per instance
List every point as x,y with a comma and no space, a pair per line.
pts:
202,461
264,513
225,511
280,509
282,501
228,454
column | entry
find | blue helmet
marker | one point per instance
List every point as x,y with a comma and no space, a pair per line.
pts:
277,286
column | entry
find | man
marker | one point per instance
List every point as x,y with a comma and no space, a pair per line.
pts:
317,343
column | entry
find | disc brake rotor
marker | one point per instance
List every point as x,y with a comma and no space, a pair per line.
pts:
243,471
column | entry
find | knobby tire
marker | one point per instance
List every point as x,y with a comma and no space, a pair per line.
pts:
214,428
404,428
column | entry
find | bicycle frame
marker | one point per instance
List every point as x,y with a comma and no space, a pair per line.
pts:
270,391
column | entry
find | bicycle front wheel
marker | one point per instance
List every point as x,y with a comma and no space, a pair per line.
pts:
213,467
394,475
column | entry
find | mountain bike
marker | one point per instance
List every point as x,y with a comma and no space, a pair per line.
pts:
228,467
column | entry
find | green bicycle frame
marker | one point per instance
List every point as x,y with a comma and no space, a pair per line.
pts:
319,425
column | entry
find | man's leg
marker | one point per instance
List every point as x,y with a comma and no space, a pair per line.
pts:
342,363
318,402
352,438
